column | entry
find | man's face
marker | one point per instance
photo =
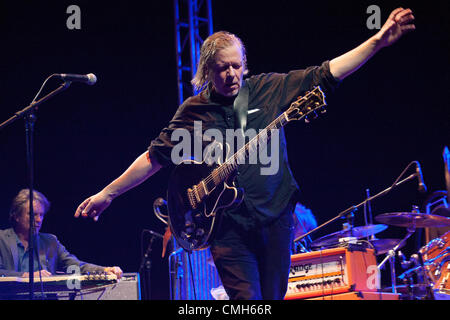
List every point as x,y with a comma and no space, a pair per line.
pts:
227,71
23,221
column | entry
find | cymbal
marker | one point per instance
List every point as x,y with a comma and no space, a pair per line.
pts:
383,246
357,232
413,219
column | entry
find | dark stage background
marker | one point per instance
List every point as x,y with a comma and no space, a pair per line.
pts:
391,112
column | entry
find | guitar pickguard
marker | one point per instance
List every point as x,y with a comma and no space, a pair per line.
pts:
193,227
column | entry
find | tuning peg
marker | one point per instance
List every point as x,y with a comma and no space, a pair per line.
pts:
323,110
310,117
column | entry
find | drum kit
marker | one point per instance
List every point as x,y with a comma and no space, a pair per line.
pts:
427,273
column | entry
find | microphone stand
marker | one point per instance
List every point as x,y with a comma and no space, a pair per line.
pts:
28,113
391,253
391,257
146,262
355,207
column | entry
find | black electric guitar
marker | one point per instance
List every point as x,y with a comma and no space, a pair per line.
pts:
197,191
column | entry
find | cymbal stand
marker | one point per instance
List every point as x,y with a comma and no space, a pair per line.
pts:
420,271
407,276
368,219
390,256
355,207
425,279
350,221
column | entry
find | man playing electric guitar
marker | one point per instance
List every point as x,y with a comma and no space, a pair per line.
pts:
251,246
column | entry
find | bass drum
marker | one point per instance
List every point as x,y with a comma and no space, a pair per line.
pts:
436,256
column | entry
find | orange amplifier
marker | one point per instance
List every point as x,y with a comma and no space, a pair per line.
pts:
332,271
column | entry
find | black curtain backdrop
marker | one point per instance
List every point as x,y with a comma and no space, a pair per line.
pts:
392,111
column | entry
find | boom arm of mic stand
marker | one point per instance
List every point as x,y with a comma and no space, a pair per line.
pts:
353,208
27,110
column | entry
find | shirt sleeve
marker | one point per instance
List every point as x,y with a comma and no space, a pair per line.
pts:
161,147
192,110
279,90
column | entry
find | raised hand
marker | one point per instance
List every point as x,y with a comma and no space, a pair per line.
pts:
400,22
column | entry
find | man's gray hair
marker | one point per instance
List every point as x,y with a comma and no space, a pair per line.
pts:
216,41
19,203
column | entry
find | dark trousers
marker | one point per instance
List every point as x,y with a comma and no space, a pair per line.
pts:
254,264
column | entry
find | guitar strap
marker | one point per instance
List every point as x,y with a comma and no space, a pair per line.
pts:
240,107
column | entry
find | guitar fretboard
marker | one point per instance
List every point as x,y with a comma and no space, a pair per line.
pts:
296,111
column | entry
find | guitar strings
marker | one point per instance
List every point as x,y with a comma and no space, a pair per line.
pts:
230,164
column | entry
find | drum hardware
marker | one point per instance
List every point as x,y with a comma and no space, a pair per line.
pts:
436,255
413,219
407,277
368,217
438,265
349,211
348,235
441,272
353,208
390,256
410,220
382,246
446,158
428,270
423,280
437,200
407,264
408,290
436,204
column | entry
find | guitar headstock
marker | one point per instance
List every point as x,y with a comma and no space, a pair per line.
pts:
307,106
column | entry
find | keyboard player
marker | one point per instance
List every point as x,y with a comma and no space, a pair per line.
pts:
53,256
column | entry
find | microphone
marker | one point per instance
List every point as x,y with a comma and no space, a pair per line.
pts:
89,79
422,187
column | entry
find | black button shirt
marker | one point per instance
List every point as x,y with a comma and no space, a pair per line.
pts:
266,195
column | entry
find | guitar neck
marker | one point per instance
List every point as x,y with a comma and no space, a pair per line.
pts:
225,170
299,109
261,139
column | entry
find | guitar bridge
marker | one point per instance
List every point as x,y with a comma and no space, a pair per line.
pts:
196,194
193,196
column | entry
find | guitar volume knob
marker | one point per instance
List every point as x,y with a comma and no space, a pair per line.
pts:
185,236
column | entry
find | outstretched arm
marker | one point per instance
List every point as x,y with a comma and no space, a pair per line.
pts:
139,171
400,21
